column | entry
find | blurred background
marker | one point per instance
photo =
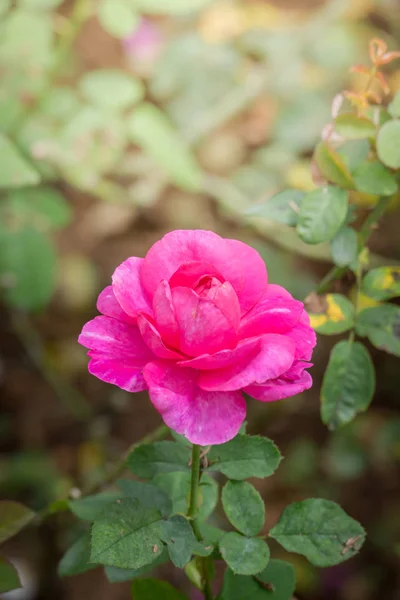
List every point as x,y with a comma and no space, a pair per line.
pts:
121,120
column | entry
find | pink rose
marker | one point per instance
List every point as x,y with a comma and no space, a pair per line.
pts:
196,323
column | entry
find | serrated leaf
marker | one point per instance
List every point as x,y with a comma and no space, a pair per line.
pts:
147,494
277,581
149,128
111,88
320,530
127,535
42,207
177,487
245,456
243,506
116,575
161,457
245,556
382,283
352,127
76,560
9,579
118,17
387,144
282,207
374,178
334,315
348,385
381,325
322,213
150,589
178,534
89,507
13,517
344,247
332,166
15,170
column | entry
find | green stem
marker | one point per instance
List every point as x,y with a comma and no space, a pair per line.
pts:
192,514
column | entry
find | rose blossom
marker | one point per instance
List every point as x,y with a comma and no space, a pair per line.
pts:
196,323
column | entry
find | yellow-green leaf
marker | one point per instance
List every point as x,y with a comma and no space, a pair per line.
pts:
382,283
331,314
332,166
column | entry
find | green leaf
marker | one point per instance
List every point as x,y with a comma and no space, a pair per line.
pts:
150,589
116,575
243,506
127,535
387,144
40,4
348,385
245,556
111,88
335,314
381,324
15,170
150,129
240,587
354,152
170,7
277,582
118,17
282,207
374,178
4,6
161,457
177,486
13,517
245,456
394,106
320,530
148,495
60,103
322,213
332,166
352,127
36,30
89,508
76,560
344,247
181,542
9,579
42,207
382,283
28,266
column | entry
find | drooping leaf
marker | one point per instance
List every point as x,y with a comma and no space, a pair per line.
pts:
330,314
150,129
150,589
111,88
282,207
9,579
160,457
42,207
382,283
76,560
15,169
118,17
322,213
88,508
320,530
116,575
348,385
177,486
387,144
332,166
147,494
374,178
13,517
245,456
344,247
381,325
243,506
178,534
352,127
127,535
245,556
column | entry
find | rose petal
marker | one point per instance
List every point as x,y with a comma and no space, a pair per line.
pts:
116,340
274,358
189,274
272,314
164,315
204,328
205,418
245,350
280,388
108,305
238,263
127,287
154,341
125,376
277,290
304,337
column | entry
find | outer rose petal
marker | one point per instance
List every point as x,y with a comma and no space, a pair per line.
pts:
128,289
116,340
280,388
272,314
154,341
304,337
277,290
203,417
125,376
108,305
239,264
164,314
274,358
245,350
204,328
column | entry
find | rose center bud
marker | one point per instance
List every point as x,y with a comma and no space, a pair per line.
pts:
207,287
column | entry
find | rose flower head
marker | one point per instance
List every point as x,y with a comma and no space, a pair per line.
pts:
197,324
